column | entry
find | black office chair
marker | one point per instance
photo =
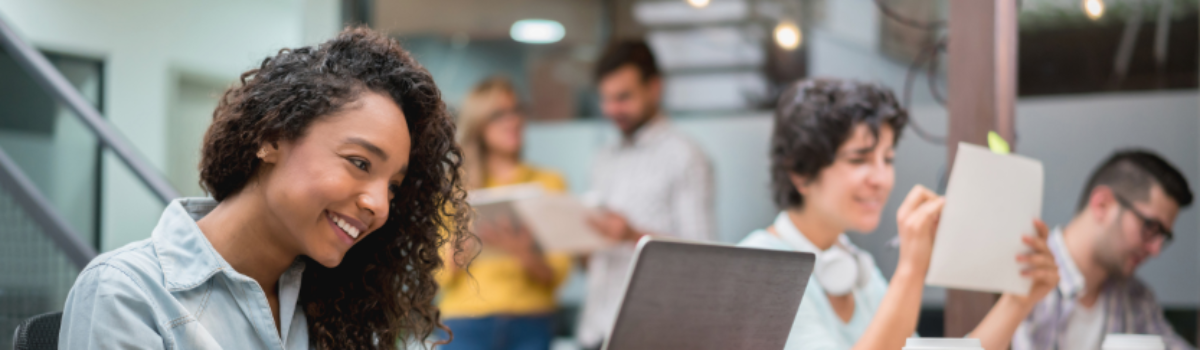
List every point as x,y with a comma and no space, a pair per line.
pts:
38,332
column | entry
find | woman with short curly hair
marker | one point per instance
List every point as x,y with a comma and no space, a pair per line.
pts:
831,157
335,182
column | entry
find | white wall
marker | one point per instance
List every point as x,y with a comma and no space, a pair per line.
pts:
144,44
191,113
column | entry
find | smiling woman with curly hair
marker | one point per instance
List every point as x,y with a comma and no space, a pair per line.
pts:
335,183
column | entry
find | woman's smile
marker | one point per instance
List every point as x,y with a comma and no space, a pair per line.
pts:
870,203
347,228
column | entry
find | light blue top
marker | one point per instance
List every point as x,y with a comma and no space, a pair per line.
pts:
817,326
174,291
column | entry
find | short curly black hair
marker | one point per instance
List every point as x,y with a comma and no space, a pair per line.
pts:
813,118
383,290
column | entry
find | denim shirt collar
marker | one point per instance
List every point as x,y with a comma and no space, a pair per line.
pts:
188,259
186,256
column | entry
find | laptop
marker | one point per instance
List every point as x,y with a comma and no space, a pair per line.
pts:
700,296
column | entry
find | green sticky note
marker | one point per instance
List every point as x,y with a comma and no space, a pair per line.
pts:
997,143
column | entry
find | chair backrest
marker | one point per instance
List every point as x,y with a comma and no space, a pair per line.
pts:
38,332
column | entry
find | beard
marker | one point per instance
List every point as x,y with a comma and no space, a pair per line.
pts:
1111,254
635,122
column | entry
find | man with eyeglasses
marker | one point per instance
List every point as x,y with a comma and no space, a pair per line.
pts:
1124,217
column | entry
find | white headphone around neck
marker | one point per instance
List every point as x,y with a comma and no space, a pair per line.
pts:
840,269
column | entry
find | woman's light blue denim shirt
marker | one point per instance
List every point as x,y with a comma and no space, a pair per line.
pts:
174,291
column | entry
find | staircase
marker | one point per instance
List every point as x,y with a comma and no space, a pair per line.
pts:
53,141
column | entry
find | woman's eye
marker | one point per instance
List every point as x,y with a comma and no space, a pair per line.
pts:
858,161
889,160
359,163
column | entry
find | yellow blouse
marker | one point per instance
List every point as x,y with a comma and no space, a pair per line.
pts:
498,284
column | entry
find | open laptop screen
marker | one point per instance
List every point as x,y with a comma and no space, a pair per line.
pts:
705,296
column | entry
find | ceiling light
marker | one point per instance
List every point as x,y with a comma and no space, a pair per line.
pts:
698,3
1093,8
537,31
788,36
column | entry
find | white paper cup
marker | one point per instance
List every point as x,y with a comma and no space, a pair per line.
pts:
1132,342
942,344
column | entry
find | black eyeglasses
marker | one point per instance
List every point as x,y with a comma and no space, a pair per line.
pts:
1151,228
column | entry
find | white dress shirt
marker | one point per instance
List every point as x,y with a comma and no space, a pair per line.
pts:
662,183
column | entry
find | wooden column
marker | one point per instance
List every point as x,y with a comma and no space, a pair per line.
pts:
982,90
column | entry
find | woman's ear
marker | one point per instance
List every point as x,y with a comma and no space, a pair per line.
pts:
800,182
268,153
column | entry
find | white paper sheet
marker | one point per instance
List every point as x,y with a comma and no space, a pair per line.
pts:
558,222
991,201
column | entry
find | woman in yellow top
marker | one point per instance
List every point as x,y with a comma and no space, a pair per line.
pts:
508,299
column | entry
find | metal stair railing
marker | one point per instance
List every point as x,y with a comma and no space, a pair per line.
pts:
51,80
43,213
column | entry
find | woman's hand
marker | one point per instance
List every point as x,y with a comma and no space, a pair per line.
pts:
917,220
997,328
503,235
519,243
1039,265
896,317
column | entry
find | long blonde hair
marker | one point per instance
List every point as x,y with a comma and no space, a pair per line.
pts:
476,113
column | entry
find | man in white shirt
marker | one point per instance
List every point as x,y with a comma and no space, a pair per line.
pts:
653,181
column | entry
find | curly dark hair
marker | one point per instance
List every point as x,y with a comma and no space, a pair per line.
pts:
813,118
384,288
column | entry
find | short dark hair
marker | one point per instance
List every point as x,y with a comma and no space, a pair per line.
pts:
813,118
1130,174
625,52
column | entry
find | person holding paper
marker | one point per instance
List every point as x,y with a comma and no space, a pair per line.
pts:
508,299
831,164
653,181
1125,216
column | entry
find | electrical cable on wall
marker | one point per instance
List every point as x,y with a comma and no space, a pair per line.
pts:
913,71
895,16
932,72
935,25
927,58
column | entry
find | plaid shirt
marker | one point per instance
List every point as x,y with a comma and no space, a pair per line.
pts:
1130,307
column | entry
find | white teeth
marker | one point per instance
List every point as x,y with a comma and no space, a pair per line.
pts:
350,229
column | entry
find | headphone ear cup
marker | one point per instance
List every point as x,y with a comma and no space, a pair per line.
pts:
838,272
